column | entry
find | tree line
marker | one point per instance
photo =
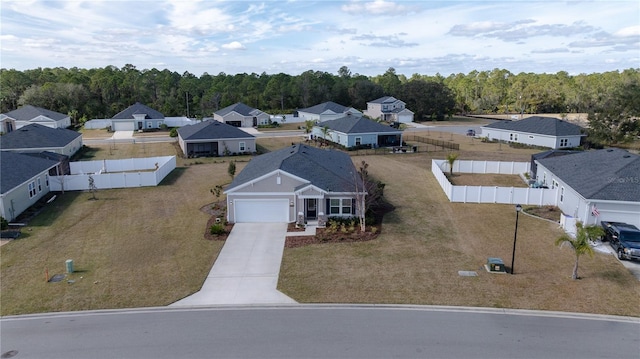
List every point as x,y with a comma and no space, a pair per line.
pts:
103,92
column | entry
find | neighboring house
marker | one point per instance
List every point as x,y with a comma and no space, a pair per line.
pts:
605,180
28,114
24,180
137,117
389,109
536,131
241,115
36,138
297,180
213,138
352,131
326,111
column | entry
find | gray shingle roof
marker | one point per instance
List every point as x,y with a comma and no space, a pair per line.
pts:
28,112
540,125
609,174
136,109
37,136
211,130
355,124
240,108
17,168
326,106
329,170
384,99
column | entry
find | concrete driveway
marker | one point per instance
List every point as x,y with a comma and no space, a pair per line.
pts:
246,271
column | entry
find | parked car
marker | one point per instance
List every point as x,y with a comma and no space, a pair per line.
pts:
624,239
471,132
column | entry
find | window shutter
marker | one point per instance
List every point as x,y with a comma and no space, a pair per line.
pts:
353,206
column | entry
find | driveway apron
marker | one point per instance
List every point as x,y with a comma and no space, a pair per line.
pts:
247,268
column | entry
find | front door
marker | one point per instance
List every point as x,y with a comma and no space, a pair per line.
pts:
311,205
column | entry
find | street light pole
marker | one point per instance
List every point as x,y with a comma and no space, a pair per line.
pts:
515,237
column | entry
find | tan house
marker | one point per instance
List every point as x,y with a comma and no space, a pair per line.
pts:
389,109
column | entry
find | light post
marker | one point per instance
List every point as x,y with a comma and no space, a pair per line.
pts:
515,236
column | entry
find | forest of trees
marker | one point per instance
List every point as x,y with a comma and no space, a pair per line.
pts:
611,98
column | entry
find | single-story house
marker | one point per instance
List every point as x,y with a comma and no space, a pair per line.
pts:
24,180
213,138
389,109
326,111
241,115
35,138
351,131
594,186
294,181
28,114
137,117
536,131
546,154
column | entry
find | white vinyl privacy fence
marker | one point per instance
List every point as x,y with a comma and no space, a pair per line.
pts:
491,194
132,172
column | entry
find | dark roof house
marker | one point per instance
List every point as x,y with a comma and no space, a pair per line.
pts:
138,109
609,174
350,131
283,185
536,131
29,114
38,138
213,138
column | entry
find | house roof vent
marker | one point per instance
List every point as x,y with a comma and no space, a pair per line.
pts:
609,150
626,156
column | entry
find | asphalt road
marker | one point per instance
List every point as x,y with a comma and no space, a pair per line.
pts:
319,332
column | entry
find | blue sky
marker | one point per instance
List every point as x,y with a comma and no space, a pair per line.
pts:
425,37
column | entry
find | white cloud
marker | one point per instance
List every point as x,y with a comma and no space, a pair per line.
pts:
234,45
377,7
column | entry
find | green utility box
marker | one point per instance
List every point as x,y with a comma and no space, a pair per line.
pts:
495,265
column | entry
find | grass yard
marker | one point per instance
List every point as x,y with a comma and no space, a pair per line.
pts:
426,240
489,179
144,246
131,247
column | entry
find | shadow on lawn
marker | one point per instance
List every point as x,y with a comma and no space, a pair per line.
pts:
45,213
173,177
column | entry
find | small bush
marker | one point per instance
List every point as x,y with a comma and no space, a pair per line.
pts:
163,126
4,224
217,229
173,132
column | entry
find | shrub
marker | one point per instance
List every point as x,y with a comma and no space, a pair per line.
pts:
217,229
173,132
163,126
4,224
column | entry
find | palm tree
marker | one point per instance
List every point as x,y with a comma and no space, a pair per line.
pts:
325,133
451,158
580,244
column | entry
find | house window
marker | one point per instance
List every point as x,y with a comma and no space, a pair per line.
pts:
243,147
39,184
340,206
32,189
564,142
554,184
358,141
149,124
561,194
46,180
544,178
513,137
531,136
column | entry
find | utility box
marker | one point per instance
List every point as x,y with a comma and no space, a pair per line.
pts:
69,265
495,265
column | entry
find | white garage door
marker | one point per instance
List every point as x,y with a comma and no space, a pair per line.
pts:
261,210
123,126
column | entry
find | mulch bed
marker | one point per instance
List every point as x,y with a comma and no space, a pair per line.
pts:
216,210
324,235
